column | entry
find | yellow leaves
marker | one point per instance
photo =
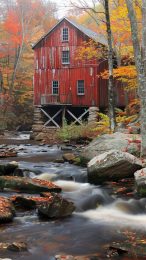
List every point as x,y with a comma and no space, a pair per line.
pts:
126,74
133,107
126,119
90,50
103,125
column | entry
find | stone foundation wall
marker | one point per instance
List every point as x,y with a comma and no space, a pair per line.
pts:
40,132
93,116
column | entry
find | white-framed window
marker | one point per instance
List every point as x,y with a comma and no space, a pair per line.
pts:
80,87
65,57
55,87
65,34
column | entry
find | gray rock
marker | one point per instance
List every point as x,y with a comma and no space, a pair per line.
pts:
55,206
15,246
8,169
40,137
112,165
69,157
27,185
140,180
120,141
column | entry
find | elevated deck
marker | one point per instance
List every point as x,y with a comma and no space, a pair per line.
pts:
62,99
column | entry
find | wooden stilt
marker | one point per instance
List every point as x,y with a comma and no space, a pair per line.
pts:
77,119
51,119
63,116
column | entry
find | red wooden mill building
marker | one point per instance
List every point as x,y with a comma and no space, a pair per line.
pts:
63,86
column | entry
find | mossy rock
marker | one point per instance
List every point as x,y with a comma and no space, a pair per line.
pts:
27,185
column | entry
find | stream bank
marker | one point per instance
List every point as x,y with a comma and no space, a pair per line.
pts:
105,214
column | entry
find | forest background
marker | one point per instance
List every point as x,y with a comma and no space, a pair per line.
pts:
23,22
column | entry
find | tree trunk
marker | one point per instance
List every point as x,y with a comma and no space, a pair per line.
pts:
140,63
111,92
135,39
143,82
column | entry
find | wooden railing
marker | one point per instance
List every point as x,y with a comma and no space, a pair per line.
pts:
56,99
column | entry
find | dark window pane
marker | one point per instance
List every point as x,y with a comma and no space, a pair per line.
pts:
55,87
65,34
80,87
65,57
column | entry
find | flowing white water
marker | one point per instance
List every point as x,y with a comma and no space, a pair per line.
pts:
118,212
99,219
115,217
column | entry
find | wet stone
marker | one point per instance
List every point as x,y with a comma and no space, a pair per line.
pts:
69,157
59,160
15,246
66,148
50,205
6,152
112,166
8,169
7,210
140,181
57,207
115,251
27,185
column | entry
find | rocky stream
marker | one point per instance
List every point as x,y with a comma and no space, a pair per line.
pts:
109,221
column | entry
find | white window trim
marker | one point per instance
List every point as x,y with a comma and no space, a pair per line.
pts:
65,63
80,94
52,88
68,34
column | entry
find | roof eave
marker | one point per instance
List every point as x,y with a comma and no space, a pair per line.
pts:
69,21
44,36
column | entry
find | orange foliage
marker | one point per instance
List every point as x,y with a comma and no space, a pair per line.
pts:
125,74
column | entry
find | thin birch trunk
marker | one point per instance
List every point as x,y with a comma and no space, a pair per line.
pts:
140,64
111,92
19,52
143,82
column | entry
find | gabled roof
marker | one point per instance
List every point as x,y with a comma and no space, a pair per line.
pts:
91,34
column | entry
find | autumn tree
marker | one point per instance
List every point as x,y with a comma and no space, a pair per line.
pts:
94,13
22,23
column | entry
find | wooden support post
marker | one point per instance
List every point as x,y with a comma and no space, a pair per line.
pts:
63,116
79,119
74,117
51,119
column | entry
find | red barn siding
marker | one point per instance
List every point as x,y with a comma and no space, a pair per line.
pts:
49,67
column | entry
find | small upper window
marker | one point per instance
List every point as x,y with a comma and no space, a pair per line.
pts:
55,87
80,87
65,34
65,57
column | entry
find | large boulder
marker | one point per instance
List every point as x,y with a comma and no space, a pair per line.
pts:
51,205
7,210
27,185
140,180
111,166
120,141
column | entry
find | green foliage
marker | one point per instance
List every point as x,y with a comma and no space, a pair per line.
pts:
72,131
103,125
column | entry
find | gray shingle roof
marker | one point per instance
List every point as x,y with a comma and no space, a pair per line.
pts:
91,34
